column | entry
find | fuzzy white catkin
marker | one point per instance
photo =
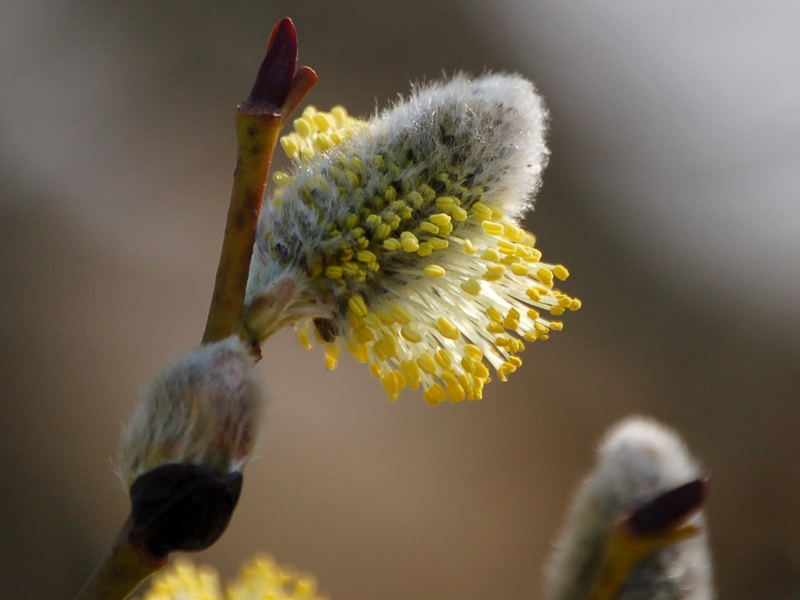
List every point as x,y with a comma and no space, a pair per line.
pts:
637,460
204,409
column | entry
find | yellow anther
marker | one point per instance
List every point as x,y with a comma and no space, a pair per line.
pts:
492,228
471,286
409,242
446,202
425,249
540,327
515,360
322,142
303,127
340,114
528,239
434,271
302,337
556,325
455,391
511,322
481,371
363,334
494,314
503,341
427,363
530,336
560,271
575,304
427,192
324,121
533,255
281,177
366,256
473,352
491,254
360,351
497,213
447,329
483,212
468,364
392,244
520,269
459,214
290,147
350,221
469,247
390,194
415,199
411,334
350,269
495,327
435,394
334,272
533,293
331,355
392,384
440,220
400,314
557,310
358,306
381,231
443,358
494,272
411,372
512,232
506,247
429,227
438,243
376,370
533,314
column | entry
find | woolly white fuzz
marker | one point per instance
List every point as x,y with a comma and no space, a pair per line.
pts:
637,460
400,237
204,409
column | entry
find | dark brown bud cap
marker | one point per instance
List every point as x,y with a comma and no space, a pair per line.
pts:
181,507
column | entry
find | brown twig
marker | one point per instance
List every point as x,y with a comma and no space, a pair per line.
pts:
279,88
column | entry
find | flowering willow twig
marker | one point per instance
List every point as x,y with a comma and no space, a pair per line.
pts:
183,452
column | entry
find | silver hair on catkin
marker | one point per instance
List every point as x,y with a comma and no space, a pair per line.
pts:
205,410
399,237
638,460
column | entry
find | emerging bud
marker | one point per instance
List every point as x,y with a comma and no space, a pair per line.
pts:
204,410
627,535
400,238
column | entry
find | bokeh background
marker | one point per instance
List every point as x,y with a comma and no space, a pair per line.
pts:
671,195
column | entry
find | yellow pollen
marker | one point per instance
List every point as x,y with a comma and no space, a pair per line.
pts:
520,269
440,220
435,394
533,293
425,249
494,272
446,202
366,256
459,214
438,243
557,310
443,358
471,286
491,254
495,327
434,271
331,355
428,227
409,241
560,271
411,334
427,363
469,248
302,337
575,304
358,306
473,352
447,329
400,314
334,272
290,147
492,228
375,369
556,325
411,372
482,212
392,244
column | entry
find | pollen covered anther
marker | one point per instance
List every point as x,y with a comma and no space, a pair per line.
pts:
405,230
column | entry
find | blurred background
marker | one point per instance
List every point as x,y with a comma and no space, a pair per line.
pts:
671,195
